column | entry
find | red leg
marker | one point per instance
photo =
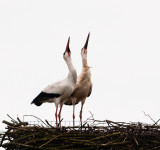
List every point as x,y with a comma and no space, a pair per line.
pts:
56,114
73,103
59,115
80,115
73,115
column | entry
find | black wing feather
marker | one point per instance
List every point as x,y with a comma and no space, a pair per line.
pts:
42,97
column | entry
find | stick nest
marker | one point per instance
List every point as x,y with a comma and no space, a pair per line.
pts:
112,136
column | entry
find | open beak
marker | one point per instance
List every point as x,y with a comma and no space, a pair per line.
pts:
86,44
67,47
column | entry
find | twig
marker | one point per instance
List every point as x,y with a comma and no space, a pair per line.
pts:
59,124
48,141
49,123
8,123
19,119
37,118
12,119
148,116
135,141
156,122
92,115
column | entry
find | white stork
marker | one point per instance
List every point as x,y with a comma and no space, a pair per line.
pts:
83,86
59,91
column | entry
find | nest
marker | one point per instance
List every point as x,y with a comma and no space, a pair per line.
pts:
112,135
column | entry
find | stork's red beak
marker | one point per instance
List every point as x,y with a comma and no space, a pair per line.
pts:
86,44
67,47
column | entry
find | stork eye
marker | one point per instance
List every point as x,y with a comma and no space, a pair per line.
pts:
64,53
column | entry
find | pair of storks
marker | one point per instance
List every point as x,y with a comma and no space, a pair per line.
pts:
71,90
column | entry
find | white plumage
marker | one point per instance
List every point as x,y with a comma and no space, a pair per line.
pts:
58,92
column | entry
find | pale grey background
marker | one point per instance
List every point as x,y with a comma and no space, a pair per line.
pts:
123,51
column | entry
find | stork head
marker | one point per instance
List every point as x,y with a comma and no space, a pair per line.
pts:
67,53
84,49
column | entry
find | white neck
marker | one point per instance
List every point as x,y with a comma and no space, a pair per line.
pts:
84,61
72,75
70,65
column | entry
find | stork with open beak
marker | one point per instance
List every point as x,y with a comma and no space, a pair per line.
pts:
58,92
83,86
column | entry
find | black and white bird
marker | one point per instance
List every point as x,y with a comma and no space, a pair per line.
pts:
58,92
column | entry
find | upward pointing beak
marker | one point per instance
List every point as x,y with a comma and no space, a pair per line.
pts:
67,47
86,44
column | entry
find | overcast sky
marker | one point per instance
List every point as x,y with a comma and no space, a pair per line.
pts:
123,51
